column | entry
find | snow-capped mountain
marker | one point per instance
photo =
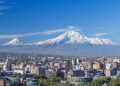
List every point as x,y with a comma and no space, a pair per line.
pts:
69,37
69,43
99,41
14,41
74,37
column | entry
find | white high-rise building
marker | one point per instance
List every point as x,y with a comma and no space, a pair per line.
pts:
73,62
108,66
7,66
77,61
21,66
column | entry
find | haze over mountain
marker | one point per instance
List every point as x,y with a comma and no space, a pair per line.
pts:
69,43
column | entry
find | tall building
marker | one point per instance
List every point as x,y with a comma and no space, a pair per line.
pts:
77,61
110,72
77,76
7,66
27,69
22,65
114,64
68,66
97,65
108,66
73,62
36,70
4,82
90,65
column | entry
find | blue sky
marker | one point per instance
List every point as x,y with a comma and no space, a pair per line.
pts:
49,18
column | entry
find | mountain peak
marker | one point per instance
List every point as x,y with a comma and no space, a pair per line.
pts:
73,36
14,41
71,33
70,36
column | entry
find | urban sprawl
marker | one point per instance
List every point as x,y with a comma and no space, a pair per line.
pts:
46,70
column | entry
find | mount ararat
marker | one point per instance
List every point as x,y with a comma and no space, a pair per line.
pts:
69,43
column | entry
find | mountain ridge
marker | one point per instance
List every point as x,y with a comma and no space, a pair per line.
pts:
74,37
70,36
69,43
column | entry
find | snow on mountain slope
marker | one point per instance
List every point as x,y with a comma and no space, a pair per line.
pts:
99,41
14,41
69,43
74,37
69,37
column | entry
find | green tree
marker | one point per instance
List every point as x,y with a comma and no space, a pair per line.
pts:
115,82
88,84
80,84
97,82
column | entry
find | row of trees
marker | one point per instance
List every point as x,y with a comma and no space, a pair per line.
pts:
52,81
101,81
